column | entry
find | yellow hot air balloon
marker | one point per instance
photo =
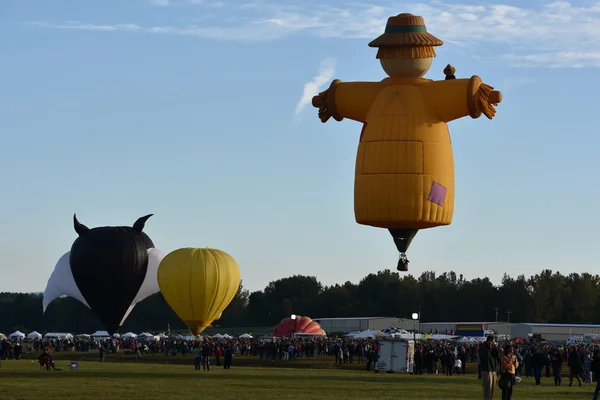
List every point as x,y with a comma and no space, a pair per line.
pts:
198,284
404,172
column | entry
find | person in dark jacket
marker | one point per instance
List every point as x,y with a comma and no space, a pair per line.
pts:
537,363
556,360
205,357
489,362
595,368
574,364
228,357
419,362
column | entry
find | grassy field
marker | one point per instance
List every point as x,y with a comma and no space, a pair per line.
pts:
167,378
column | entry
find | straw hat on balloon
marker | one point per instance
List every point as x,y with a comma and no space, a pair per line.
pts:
406,36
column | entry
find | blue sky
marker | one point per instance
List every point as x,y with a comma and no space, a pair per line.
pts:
193,111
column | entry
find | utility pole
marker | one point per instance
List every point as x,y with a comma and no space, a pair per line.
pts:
496,313
508,315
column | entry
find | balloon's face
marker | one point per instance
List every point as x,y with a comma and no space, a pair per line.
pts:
109,269
109,266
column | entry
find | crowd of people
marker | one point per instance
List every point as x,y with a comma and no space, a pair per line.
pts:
580,362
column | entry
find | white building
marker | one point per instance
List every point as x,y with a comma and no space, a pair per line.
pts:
501,328
356,324
553,332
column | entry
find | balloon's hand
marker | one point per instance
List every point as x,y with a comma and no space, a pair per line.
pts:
487,99
325,102
320,102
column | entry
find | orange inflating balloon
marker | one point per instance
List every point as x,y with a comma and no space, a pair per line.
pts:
288,326
404,176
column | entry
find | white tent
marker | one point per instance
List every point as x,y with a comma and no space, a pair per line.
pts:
16,335
366,334
34,335
116,335
246,336
190,337
442,337
129,335
218,336
176,336
408,336
145,335
83,335
100,334
58,335
162,336
226,336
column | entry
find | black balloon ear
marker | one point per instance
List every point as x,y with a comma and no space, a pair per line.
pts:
79,228
139,224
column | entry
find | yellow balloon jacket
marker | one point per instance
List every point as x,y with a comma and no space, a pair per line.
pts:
404,167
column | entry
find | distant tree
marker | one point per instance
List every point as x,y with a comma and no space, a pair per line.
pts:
544,297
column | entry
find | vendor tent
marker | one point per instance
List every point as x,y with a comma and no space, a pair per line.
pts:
246,336
16,335
365,334
226,336
129,335
145,335
162,336
218,336
58,335
100,334
34,335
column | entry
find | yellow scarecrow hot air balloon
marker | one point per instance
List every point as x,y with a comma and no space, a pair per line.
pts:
404,177
198,284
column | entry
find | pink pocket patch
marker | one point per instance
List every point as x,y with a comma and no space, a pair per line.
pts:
437,194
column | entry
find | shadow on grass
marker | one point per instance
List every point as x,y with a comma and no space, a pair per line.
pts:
237,375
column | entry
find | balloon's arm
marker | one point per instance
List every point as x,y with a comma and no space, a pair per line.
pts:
458,98
346,100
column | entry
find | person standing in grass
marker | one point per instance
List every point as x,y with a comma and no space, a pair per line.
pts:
537,363
206,357
489,361
574,364
228,357
218,355
595,368
508,369
197,357
557,361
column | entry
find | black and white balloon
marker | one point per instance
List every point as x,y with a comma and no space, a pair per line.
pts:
109,269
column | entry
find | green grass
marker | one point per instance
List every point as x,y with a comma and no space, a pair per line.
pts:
175,378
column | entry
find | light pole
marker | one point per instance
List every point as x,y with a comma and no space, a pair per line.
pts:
293,317
415,317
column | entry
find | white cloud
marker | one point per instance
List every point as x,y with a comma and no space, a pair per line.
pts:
554,35
207,3
160,2
312,87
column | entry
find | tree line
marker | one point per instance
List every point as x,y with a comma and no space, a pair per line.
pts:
545,297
